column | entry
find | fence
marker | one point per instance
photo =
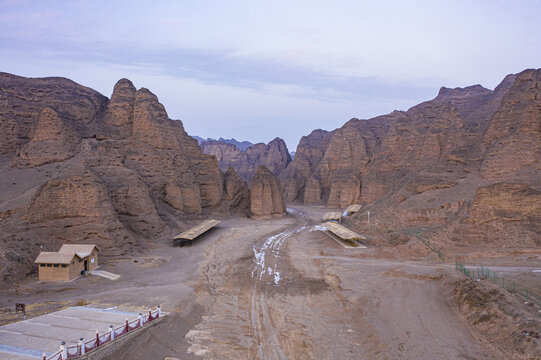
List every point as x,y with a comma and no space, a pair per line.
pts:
512,286
83,347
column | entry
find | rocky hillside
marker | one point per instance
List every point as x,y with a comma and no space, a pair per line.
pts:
79,167
273,155
467,161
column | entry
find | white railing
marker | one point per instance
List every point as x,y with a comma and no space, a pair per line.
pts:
72,351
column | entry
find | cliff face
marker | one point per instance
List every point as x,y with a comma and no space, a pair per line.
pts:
309,153
273,155
266,195
513,135
456,161
79,167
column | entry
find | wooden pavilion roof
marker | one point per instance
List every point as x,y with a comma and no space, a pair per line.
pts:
197,230
343,232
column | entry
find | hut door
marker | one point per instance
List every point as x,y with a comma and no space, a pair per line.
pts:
86,265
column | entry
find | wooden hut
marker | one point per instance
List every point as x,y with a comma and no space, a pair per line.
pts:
71,261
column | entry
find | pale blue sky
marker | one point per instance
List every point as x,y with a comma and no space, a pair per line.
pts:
255,70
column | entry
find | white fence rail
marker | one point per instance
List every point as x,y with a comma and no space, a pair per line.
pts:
83,347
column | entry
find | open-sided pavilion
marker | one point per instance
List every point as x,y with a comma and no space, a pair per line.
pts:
189,235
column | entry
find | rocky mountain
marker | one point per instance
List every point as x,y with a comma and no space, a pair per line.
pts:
458,161
266,195
79,167
241,145
273,155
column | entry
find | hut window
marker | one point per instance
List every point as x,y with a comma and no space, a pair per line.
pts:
49,265
64,265
80,260
55,265
42,265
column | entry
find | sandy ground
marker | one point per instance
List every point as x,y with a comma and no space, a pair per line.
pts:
277,289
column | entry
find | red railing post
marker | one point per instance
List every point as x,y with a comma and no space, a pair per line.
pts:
97,339
149,314
44,356
127,326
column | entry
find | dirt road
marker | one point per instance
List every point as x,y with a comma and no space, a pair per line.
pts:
296,294
279,289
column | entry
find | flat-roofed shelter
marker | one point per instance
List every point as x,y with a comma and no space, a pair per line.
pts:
344,233
71,261
332,216
191,234
353,209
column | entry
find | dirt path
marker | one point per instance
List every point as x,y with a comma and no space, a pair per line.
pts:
266,272
294,294
277,289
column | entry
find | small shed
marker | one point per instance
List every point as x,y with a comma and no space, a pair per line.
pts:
189,235
344,233
333,216
71,261
352,209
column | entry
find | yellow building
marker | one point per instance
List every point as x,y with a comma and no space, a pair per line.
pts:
71,261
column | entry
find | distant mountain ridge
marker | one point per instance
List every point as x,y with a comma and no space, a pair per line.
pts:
241,145
274,155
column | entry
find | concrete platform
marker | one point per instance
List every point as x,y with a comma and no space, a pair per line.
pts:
29,339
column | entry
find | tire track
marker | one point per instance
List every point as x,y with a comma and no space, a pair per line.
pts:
266,272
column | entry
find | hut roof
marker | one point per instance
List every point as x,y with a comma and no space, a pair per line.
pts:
353,208
343,232
333,215
198,230
47,257
82,250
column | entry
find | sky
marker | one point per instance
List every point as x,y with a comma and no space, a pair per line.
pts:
259,69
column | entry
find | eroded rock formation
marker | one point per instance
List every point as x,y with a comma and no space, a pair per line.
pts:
296,178
77,167
447,162
266,195
273,155
53,140
237,194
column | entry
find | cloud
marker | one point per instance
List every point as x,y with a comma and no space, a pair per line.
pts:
240,70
